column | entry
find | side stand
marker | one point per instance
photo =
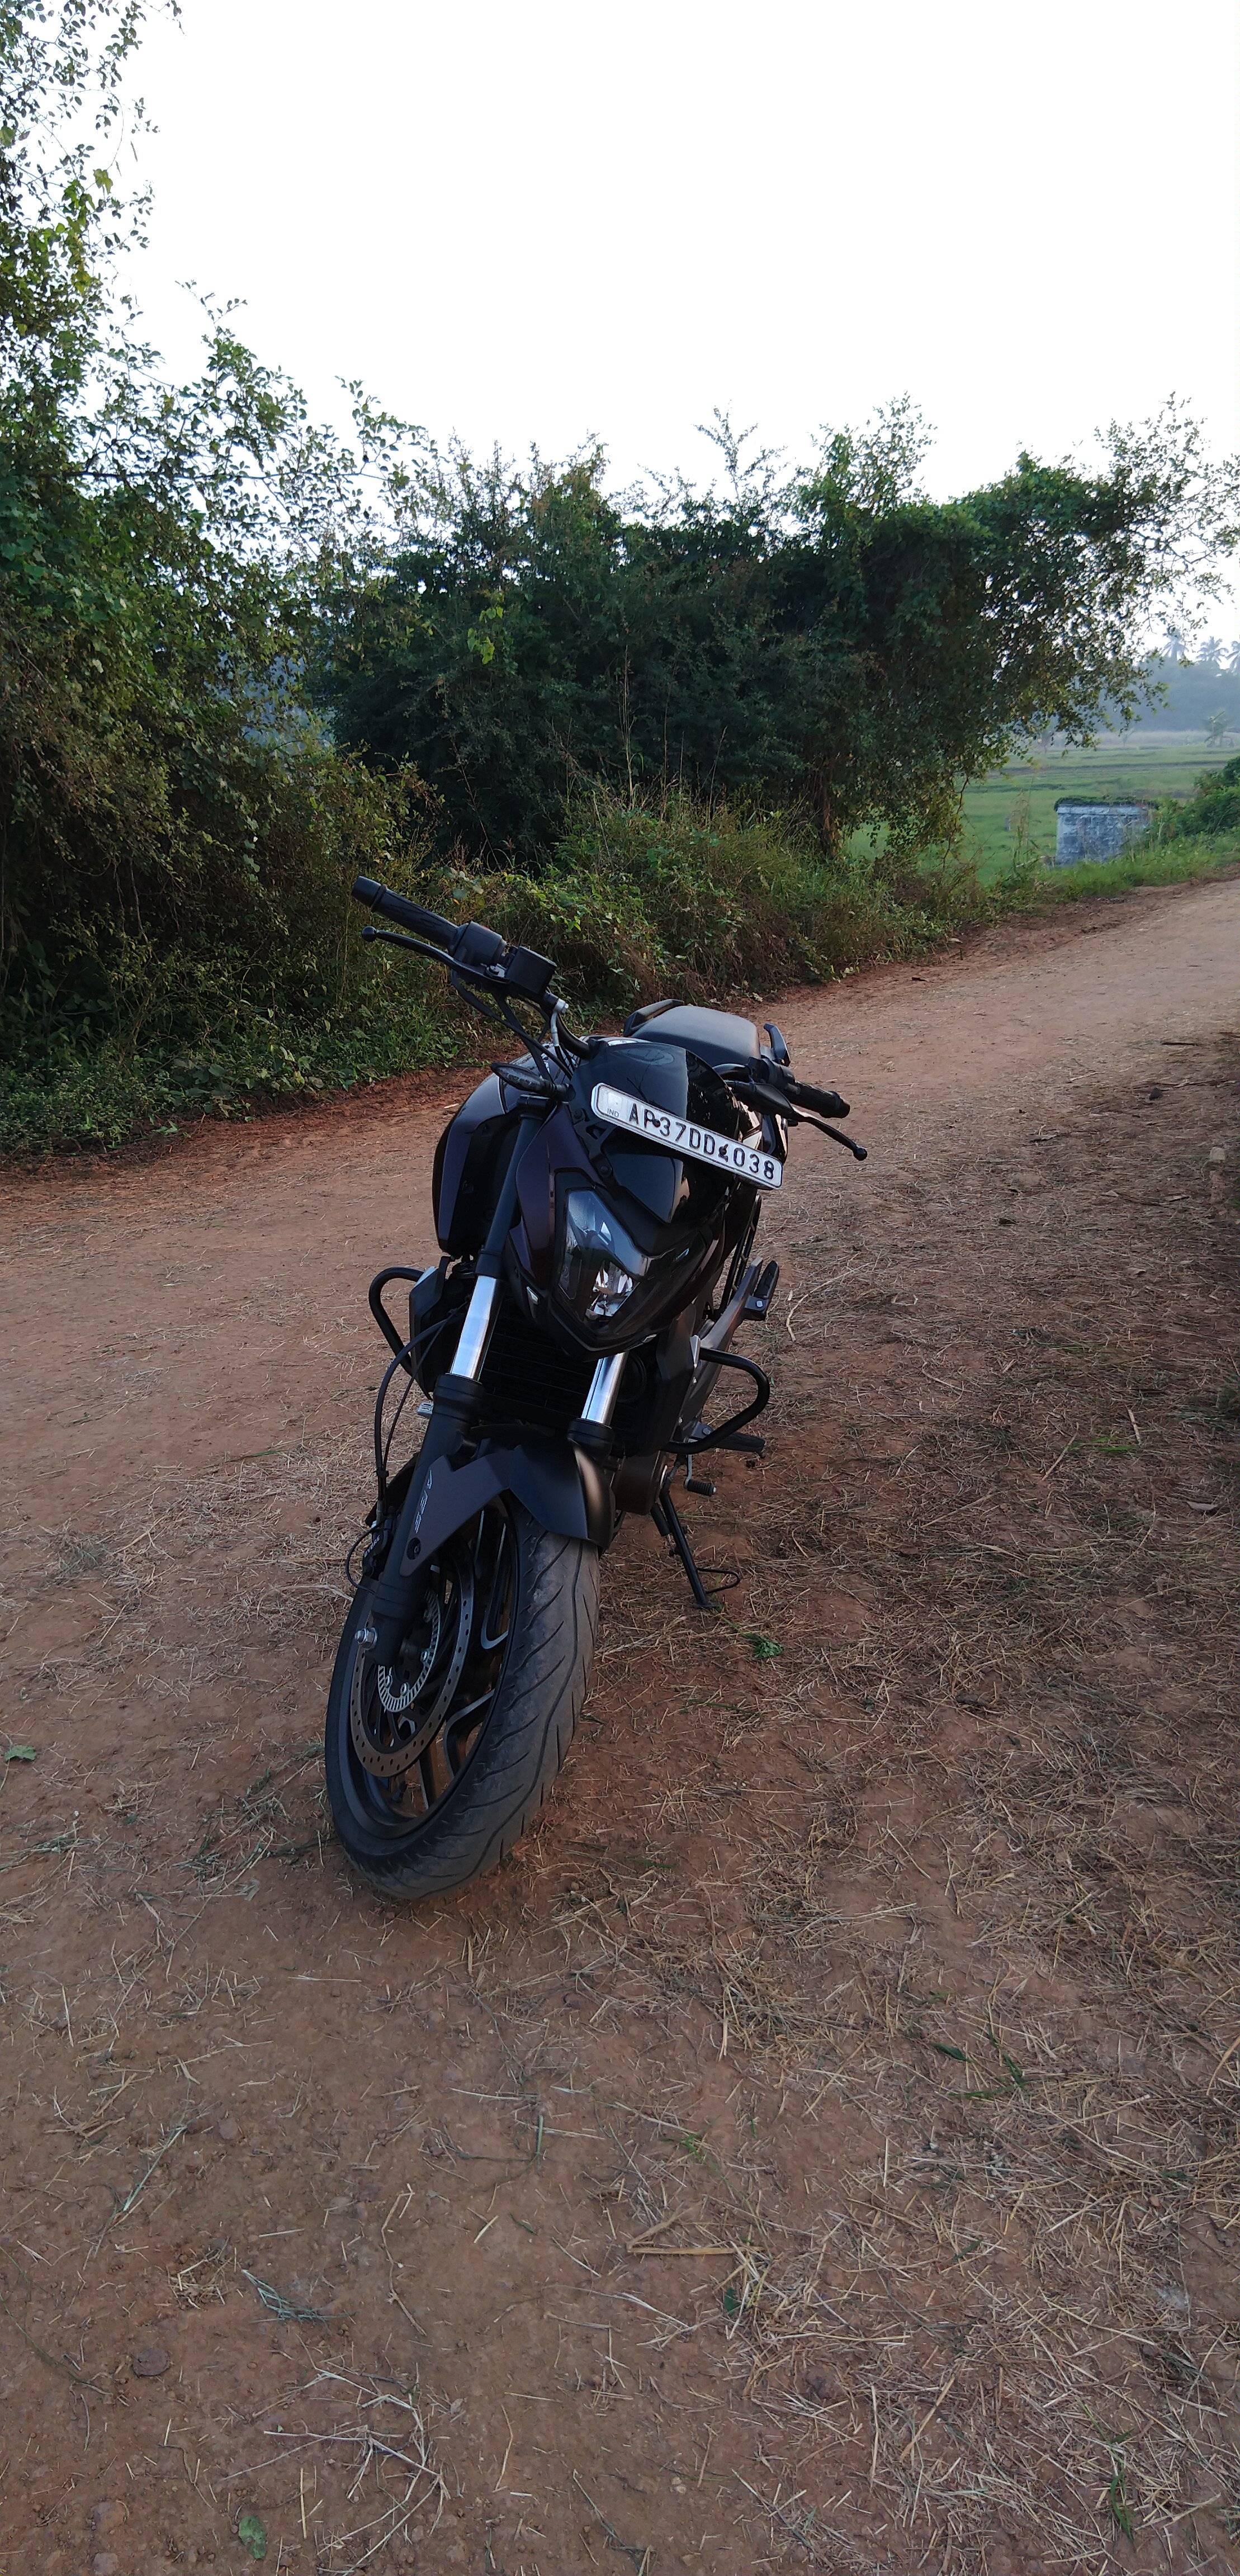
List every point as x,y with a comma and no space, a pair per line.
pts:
669,1524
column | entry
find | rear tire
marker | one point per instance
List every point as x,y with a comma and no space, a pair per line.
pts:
456,1811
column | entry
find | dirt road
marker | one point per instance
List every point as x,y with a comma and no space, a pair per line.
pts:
817,2147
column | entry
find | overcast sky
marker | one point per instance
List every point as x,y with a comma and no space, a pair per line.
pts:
546,219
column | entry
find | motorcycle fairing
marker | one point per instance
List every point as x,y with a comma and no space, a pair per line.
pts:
573,1149
470,1161
660,1075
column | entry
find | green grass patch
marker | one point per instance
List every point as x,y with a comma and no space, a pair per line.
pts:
1156,863
1012,812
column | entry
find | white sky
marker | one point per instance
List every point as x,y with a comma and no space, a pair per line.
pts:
549,219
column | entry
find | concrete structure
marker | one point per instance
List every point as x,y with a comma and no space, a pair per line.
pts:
1096,828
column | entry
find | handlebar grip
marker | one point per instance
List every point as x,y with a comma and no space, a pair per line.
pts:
411,916
828,1103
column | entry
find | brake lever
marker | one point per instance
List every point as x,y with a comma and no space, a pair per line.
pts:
805,1118
760,1097
460,975
860,1153
401,939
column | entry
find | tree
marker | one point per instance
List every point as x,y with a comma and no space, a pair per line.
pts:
167,804
829,638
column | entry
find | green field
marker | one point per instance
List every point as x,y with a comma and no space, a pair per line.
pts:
1015,807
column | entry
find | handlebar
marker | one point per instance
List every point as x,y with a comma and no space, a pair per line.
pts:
411,916
485,960
828,1104
482,953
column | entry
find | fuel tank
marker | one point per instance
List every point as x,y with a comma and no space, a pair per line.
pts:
717,1037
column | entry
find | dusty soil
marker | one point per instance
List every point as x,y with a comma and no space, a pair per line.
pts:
817,2147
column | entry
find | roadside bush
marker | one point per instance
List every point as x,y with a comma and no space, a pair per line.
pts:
645,898
243,978
1214,806
639,901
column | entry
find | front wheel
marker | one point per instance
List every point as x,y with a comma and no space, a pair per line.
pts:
437,1763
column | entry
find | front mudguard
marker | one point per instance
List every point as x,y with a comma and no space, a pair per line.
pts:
558,1485
564,1490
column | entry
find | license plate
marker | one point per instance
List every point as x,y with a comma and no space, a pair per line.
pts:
684,1136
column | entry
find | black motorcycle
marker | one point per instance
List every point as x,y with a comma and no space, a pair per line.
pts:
596,1202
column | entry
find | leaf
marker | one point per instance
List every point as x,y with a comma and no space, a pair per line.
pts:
942,2049
16,1753
253,2531
731,2302
763,1647
1118,2507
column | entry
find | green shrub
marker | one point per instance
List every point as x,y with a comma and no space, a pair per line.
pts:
639,901
644,898
1214,806
256,985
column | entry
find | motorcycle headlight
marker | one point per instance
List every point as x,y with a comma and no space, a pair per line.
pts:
600,1265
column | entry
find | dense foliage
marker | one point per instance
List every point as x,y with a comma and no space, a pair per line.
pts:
830,640
238,659
173,828
1213,807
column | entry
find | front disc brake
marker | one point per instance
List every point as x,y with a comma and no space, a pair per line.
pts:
394,1710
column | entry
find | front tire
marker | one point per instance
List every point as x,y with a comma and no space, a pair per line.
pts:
436,1765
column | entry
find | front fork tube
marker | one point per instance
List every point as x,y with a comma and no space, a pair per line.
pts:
471,1349
456,1405
592,1429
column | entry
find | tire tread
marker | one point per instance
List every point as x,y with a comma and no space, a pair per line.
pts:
527,1736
